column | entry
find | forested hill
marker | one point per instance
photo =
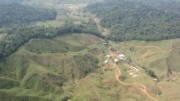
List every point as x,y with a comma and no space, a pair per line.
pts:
13,13
139,19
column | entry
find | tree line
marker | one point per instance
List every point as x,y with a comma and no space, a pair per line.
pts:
19,35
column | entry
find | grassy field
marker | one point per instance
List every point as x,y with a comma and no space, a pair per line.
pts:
162,58
44,65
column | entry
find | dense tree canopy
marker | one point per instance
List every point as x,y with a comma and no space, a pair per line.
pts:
19,35
13,13
139,19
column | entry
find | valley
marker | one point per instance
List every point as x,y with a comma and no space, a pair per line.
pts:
73,57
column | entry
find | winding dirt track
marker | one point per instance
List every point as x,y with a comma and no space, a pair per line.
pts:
173,49
145,55
118,75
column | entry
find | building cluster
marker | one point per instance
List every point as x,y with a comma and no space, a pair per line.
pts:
107,59
134,71
119,58
116,60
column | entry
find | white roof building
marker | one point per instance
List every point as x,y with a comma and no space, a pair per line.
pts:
135,68
116,60
108,56
122,57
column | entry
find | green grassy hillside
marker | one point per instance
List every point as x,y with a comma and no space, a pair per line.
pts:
72,67
44,65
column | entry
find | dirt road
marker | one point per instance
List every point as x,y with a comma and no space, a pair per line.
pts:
118,75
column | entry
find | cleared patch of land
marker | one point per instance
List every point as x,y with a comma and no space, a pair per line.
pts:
162,58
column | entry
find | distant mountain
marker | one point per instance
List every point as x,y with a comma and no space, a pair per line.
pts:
139,19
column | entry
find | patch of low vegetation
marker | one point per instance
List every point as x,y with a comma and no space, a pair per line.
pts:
51,46
6,96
